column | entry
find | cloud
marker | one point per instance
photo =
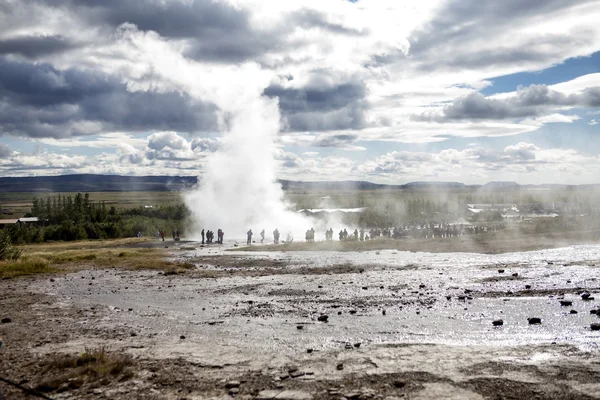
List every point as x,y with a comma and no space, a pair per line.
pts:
5,151
35,46
527,102
38,100
318,107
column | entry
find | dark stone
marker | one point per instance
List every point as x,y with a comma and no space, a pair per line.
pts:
534,321
340,367
339,313
299,326
500,271
133,334
595,326
527,286
399,384
365,287
6,320
297,374
383,312
352,311
593,311
498,322
573,312
515,274
233,384
348,346
566,303
448,297
357,345
182,337
323,318
585,296
309,351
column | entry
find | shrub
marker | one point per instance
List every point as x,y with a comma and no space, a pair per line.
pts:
7,250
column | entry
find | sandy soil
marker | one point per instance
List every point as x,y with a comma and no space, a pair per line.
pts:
251,325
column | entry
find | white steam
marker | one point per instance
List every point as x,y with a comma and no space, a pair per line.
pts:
238,187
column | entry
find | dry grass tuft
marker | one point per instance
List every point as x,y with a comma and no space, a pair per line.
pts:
93,367
25,266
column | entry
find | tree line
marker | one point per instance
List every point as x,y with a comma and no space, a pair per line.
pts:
66,217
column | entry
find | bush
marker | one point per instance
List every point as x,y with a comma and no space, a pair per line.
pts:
7,250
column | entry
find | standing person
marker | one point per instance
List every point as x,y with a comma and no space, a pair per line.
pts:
262,236
202,236
157,235
177,234
276,236
173,234
249,233
222,235
162,235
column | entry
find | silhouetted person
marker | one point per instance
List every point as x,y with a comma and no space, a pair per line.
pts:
276,236
249,233
262,236
177,234
202,236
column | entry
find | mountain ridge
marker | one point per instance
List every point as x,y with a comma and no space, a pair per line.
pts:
121,183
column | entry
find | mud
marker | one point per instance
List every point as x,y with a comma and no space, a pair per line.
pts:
246,325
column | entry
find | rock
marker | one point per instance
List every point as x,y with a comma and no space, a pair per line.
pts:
365,287
515,274
339,313
498,322
233,384
283,395
182,337
297,374
299,327
352,311
6,320
340,367
291,370
133,334
500,271
527,287
348,346
585,296
352,395
595,326
573,312
594,312
357,345
309,351
448,297
320,286
534,321
399,384
234,391
566,303
323,318
383,312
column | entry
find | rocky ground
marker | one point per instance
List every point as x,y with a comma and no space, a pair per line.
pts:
310,325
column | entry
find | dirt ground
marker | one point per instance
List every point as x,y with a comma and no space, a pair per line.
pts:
251,325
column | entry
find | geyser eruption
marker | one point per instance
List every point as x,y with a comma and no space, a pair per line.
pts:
238,189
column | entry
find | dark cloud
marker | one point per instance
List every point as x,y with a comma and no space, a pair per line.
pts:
321,108
446,41
38,100
532,101
341,140
5,151
309,19
35,46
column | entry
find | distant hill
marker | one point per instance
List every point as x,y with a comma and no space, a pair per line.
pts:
116,183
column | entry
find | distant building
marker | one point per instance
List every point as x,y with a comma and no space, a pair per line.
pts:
7,222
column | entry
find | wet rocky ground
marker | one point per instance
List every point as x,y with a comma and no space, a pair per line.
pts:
302,325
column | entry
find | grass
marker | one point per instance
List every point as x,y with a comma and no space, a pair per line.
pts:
70,256
94,367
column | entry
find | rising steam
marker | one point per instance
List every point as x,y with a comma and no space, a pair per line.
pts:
238,189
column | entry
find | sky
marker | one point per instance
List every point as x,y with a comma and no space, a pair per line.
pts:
385,91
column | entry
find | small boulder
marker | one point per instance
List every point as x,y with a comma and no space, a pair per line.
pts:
566,303
340,367
6,320
500,271
323,318
585,296
527,287
534,321
498,322
573,312
357,345
595,326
